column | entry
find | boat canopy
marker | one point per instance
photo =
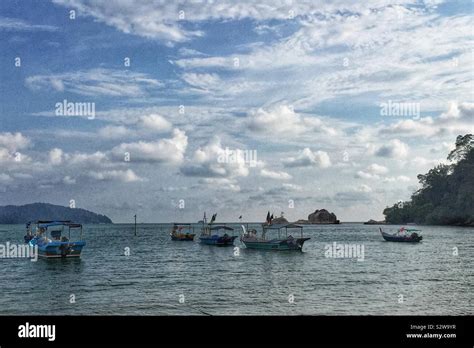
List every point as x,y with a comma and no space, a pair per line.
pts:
46,224
221,227
280,226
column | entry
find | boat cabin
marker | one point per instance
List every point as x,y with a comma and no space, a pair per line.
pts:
58,230
281,229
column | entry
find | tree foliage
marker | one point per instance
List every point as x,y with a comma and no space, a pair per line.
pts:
446,196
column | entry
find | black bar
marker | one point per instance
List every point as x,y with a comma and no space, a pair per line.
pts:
239,330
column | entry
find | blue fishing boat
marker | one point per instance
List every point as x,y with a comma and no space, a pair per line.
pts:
406,235
280,243
212,234
53,238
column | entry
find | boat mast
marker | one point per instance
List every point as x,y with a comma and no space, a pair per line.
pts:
135,216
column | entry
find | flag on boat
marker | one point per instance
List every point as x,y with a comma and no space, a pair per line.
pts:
213,218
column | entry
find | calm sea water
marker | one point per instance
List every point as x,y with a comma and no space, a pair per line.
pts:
215,281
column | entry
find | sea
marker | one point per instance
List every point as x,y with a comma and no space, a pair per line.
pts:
148,274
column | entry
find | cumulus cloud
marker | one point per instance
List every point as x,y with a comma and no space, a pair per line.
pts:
55,156
457,119
372,171
283,120
118,175
168,150
308,158
212,160
393,149
155,123
278,175
377,169
13,141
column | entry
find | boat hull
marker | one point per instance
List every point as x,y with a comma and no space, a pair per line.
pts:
218,241
275,244
183,238
401,239
59,249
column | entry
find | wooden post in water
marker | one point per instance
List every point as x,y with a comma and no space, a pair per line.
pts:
135,216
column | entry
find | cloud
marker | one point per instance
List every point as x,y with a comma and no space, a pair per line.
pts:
148,19
212,160
393,149
115,175
364,188
111,132
203,82
376,171
96,82
165,20
308,158
278,175
221,183
364,175
400,178
67,180
155,123
5,178
13,141
141,125
168,150
187,52
86,160
383,49
457,119
14,24
55,156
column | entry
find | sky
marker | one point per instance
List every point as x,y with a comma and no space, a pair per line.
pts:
234,108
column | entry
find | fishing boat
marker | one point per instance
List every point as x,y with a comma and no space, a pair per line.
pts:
288,242
53,238
407,235
211,236
182,232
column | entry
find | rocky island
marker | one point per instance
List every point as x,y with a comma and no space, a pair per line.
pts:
321,216
374,222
